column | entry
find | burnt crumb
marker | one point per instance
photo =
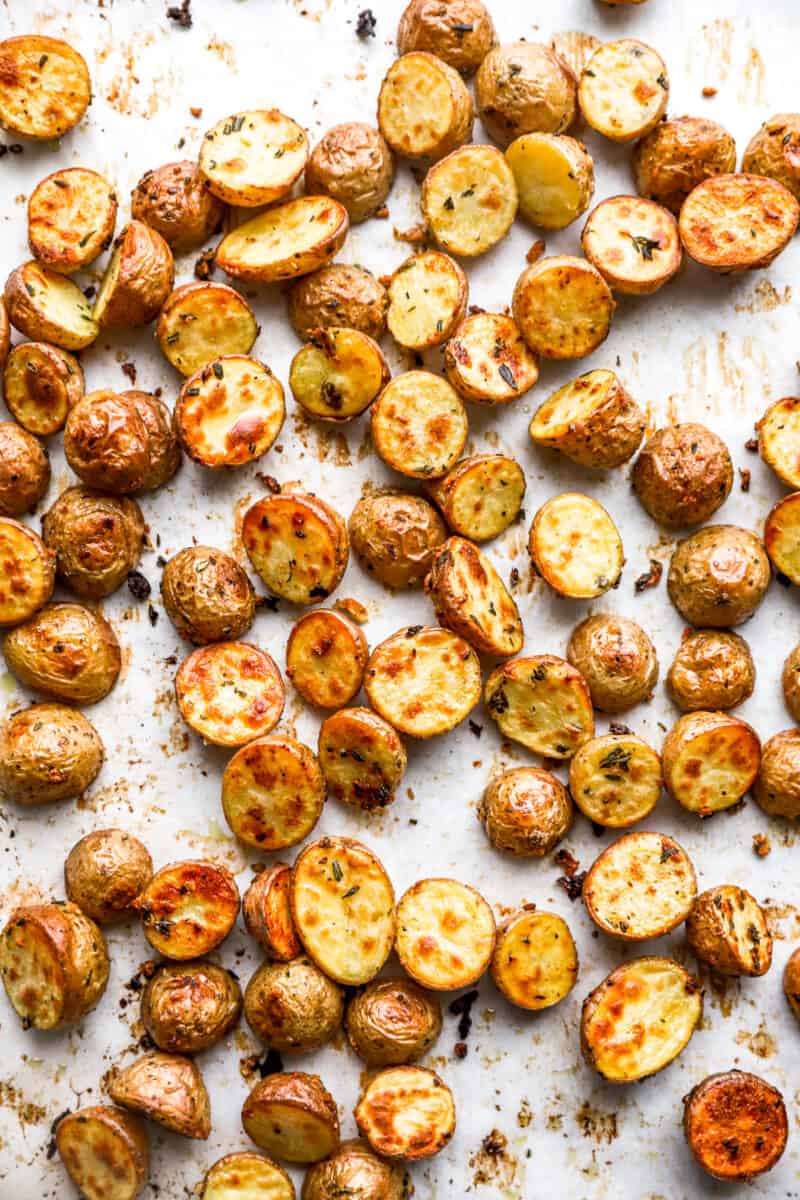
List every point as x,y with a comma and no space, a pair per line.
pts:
51,1145
270,1063
744,478
89,292
460,1050
475,728
494,1143
536,251
269,482
513,578
270,602
651,578
752,445
782,579
597,829
146,971
461,1007
205,265
761,845
618,727
572,884
668,852
161,562
366,23
412,631
138,586
14,148
129,370
181,14
567,861
146,1042
152,615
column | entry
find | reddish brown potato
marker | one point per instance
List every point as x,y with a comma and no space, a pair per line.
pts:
677,155
268,915
616,658
97,540
174,201
394,536
105,872
683,474
352,163
526,811
736,1125
718,576
460,31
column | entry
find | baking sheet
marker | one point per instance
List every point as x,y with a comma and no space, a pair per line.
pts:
705,348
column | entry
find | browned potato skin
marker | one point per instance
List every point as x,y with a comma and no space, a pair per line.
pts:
541,97
706,927
712,670
352,163
774,151
168,1089
174,201
97,540
460,31
718,576
338,295
5,333
65,651
207,595
292,1007
121,442
128,1128
105,872
24,470
677,155
144,279
790,681
526,811
189,1007
682,476
354,1170
394,535
164,451
735,1125
392,1021
617,660
295,1089
777,787
791,981
47,753
267,913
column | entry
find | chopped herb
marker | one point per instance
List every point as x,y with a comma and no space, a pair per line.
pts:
172,339
498,702
662,82
352,891
43,60
193,391
62,183
217,369
651,578
412,631
448,204
514,69
234,125
645,246
508,375
460,28
278,153
336,871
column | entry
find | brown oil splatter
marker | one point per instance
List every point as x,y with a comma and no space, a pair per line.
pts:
223,51
765,297
217,846
524,1113
26,1110
595,1124
718,38
493,1163
574,48
761,1043
751,89
783,920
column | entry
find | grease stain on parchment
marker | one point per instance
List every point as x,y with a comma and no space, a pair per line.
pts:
761,1043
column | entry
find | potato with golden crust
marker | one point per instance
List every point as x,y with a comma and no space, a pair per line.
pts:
460,32
48,753
712,669
362,758
325,658
338,374
780,538
104,873
272,793
642,886
774,151
526,811
121,442
298,544
97,540
424,109
207,595
49,307
293,1116
292,1007
188,908
777,788
189,1007
230,692
683,474
24,470
593,420
394,536
615,780
353,1169
469,200
353,163
71,219
445,933
481,495
419,425
718,576
163,449
406,1112
680,152
487,360
253,158
427,300
470,598
779,439
338,295
105,1152
229,412
543,702
554,174
65,651
790,682
174,201
727,928
710,760
535,962
287,240
737,222
563,307
268,914
245,1173
44,86
137,280
575,546
634,244
521,88
735,1125
423,680
623,89
392,1021
167,1089
28,574
203,321
791,981
40,385
616,658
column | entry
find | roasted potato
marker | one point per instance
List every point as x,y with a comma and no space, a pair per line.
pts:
338,373
593,420
174,201
791,981
71,219
469,200
245,1173
65,651
718,576
419,425
28,574
487,360
292,1007
290,239
44,88
207,595
615,780
680,152
272,793
49,307
424,109
445,934
229,412
105,1152
481,495
523,87
392,1021
201,322
780,538
790,682
189,1007
423,680
298,544
554,174
575,546
526,811
535,963
712,669
24,470
634,244
137,280
167,1089
293,1116
779,440
352,163
40,385
253,158
353,1169
460,32
737,222
47,753
362,758
120,442
339,295
97,540
406,1112
105,872
774,151
683,474
325,658
777,787
563,307
623,89
470,598
427,300
542,702
230,692
617,660
642,886
268,915
53,963
5,334
394,536
188,908
164,453
710,759
727,929
735,1125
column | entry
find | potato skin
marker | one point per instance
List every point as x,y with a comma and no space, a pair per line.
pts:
392,1021
168,1089
338,295
617,660
774,151
460,32
352,163
267,913
606,436
105,872
78,1136
524,88
48,752
106,442
354,1170
679,153
145,272
712,670
97,540
292,1007
736,1125
790,682
189,1007
65,651
394,535
712,932
163,450
777,788
24,470
174,201
791,982
526,811
718,576
207,595
683,474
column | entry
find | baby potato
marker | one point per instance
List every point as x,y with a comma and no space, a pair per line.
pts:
290,239
362,758
427,300
712,670
542,702
298,544
791,981
229,692
526,812
394,536
523,87
174,201
253,158
5,334
575,546
592,420
44,87
392,1021
167,1089
40,385
105,872
535,963
617,660
487,361
615,780
728,930
24,470
338,295
419,425
188,908
201,322
680,152
28,572
642,886
105,1152
229,412
207,595
710,760
97,540
780,537
460,32
790,682
49,307
292,1007
293,1116
65,651
634,244
71,219
423,680
470,598
623,89
469,200
137,280
245,1173
353,1169
406,1112
424,109
554,174
735,1125
774,151
338,374
777,787
325,658
737,222
718,576
445,934
481,495
163,450
267,913
189,1007
272,793
121,442
779,440
683,474
47,753
352,163
563,307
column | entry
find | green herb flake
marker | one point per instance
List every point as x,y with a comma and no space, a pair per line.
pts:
645,246
218,371
336,871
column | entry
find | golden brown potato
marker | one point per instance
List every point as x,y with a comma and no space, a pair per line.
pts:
24,470
615,780
5,335
40,385
642,886
563,307
293,1116
137,281
718,576
481,495
245,1173
617,660
469,200
460,32
362,758
780,538
791,981
298,544
105,1152
338,295
121,442
634,244
487,361
189,1007
97,540
710,760
325,658
65,651
683,474
575,546
392,1021
105,872
470,598
542,702
735,1125
188,908
229,412
427,300
713,670
777,788
623,89
677,155
207,595
524,88
727,929
394,536
268,915
338,374
774,151
354,1170
47,753
526,811
419,425
272,793
424,109
49,307
292,1007
790,681
29,572
535,963
71,219
406,1112
445,934
592,420
230,692
424,680
554,174
352,163
164,451
253,158
201,322
167,1089
44,87
779,439
174,201
737,222
285,241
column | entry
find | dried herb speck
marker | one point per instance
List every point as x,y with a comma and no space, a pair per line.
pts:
138,586
366,23
181,14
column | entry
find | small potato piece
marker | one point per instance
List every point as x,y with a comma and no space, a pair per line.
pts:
470,598
394,536
392,1021
623,89
781,537
774,151
44,88
47,753
535,962
427,300
617,660
487,360
325,658
728,930
174,201
710,760
293,1116
779,440
167,1089
362,758
737,222
188,908
642,886
230,692
290,239
777,788
298,544
554,174
481,495
735,1125
683,474
469,200
338,374
105,1152
419,425
713,670
563,307
679,153
634,244
229,412
292,1007
615,780
790,682
40,385
445,934
640,1018
105,872
791,981
343,909
523,87
460,32
267,913
48,307
24,470
338,295
246,1174
424,681
592,420
718,576
424,109
542,702
272,793
354,1170
120,442
97,540
526,811
137,281
207,595
28,575
65,651
201,322
352,163
53,963
253,158
189,1007
71,219
406,1112
576,547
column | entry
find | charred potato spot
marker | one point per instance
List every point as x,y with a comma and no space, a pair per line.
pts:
779,440
424,681
354,1168
542,702
24,470
419,425
445,934
167,1089
470,598
325,658
40,385
339,295
427,300
293,1116
246,1174
48,753
392,1021
272,793
780,537
592,420
406,1112
290,239
461,33
718,576
521,88
634,244
207,595
554,174
735,1125
338,374
105,1152
394,536
670,161
362,758
267,913
230,692
424,109
487,360
292,1007
683,474
535,963
298,544
253,158
137,281
229,412
777,788
712,670
563,307
469,200
526,811
790,682
352,163
727,928
615,780
105,872
188,908
48,307
481,495
774,151
616,658
97,540
710,760
623,89
174,201
642,886
201,322
576,547
189,1007
65,651
44,87
737,222
27,572
71,218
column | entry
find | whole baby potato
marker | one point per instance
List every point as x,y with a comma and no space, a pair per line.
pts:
678,154
352,163
718,576
207,595
617,660
355,1170
394,536
66,651
97,540
524,88
174,201
48,752
24,470
712,670
777,787
775,151
392,1021
459,31
189,1007
683,474
105,872
338,295
526,811
293,1006
790,681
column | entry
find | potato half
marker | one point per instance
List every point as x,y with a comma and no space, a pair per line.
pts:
267,913
419,425
65,651
298,544
424,109
29,572
253,158
293,1116
710,760
338,295
362,758
683,474
623,89
24,470
575,546
593,420
230,692
461,33
104,873
615,780
554,174
737,222
44,87
40,385
105,1152
563,307
727,928
735,1125
524,87
487,360
325,658
777,788
353,163
542,702
48,307
137,281
406,1112
188,908
338,374
167,1089
642,886
718,576
424,681
470,598
781,537
71,218
469,200
427,300
293,1007
679,153
392,1021
774,151
174,200
229,412
712,669
290,239
189,1007
535,962
201,322
525,811
779,439
272,793
445,934
246,1174
97,540
634,244
481,495
48,752
353,1168
394,536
